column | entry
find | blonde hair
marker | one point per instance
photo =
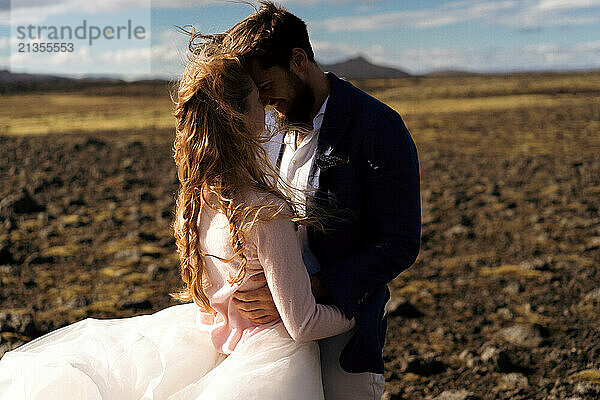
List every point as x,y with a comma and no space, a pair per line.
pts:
218,156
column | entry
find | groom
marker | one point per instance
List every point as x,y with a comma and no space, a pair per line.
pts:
360,157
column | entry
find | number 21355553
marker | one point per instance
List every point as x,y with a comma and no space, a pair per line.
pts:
41,47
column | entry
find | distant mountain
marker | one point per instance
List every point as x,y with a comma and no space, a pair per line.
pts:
21,83
10,77
360,68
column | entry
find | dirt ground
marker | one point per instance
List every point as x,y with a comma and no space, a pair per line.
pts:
502,302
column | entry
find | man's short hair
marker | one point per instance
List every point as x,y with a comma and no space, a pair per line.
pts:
269,35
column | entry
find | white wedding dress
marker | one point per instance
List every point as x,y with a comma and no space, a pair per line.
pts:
184,353
165,355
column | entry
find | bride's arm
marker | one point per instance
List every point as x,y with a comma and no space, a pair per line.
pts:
280,256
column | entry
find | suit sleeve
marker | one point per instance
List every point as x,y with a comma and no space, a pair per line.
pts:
392,216
280,256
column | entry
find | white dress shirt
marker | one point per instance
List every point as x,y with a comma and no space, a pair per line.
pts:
297,162
295,169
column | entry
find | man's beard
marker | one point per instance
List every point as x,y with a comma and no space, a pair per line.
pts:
302,102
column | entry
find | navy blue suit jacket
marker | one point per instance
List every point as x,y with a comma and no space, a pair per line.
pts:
369,169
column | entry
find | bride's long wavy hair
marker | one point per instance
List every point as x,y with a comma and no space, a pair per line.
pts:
218,154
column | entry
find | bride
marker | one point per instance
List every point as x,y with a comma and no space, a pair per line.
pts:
232,223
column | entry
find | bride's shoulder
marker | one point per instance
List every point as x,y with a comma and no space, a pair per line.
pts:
254,197
266,203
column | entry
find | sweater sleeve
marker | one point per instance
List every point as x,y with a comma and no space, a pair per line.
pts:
280,256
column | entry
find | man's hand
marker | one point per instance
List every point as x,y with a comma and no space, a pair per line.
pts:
257,305
318,290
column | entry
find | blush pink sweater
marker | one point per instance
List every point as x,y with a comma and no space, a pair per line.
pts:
273,248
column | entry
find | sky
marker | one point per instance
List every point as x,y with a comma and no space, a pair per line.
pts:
417,36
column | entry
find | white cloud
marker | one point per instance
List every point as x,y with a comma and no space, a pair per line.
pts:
554,5
85,60
61,60
542,13
446,14
328,52
124,57
331,53
169,53
37,11
70,5
586,54
543,56
422,60
130,63
588,46
120,5
521,14
183,3
338,2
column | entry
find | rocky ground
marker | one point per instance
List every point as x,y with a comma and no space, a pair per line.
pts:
501,304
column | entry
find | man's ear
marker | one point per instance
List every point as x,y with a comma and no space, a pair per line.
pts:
299,62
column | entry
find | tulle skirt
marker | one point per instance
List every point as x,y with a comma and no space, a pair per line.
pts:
165,355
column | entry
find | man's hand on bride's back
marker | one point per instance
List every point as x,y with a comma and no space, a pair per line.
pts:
257,305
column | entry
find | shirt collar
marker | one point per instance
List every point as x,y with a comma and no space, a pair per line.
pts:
317,122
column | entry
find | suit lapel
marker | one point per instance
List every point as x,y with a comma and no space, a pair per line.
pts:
335,120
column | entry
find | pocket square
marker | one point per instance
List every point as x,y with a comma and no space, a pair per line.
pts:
327,161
